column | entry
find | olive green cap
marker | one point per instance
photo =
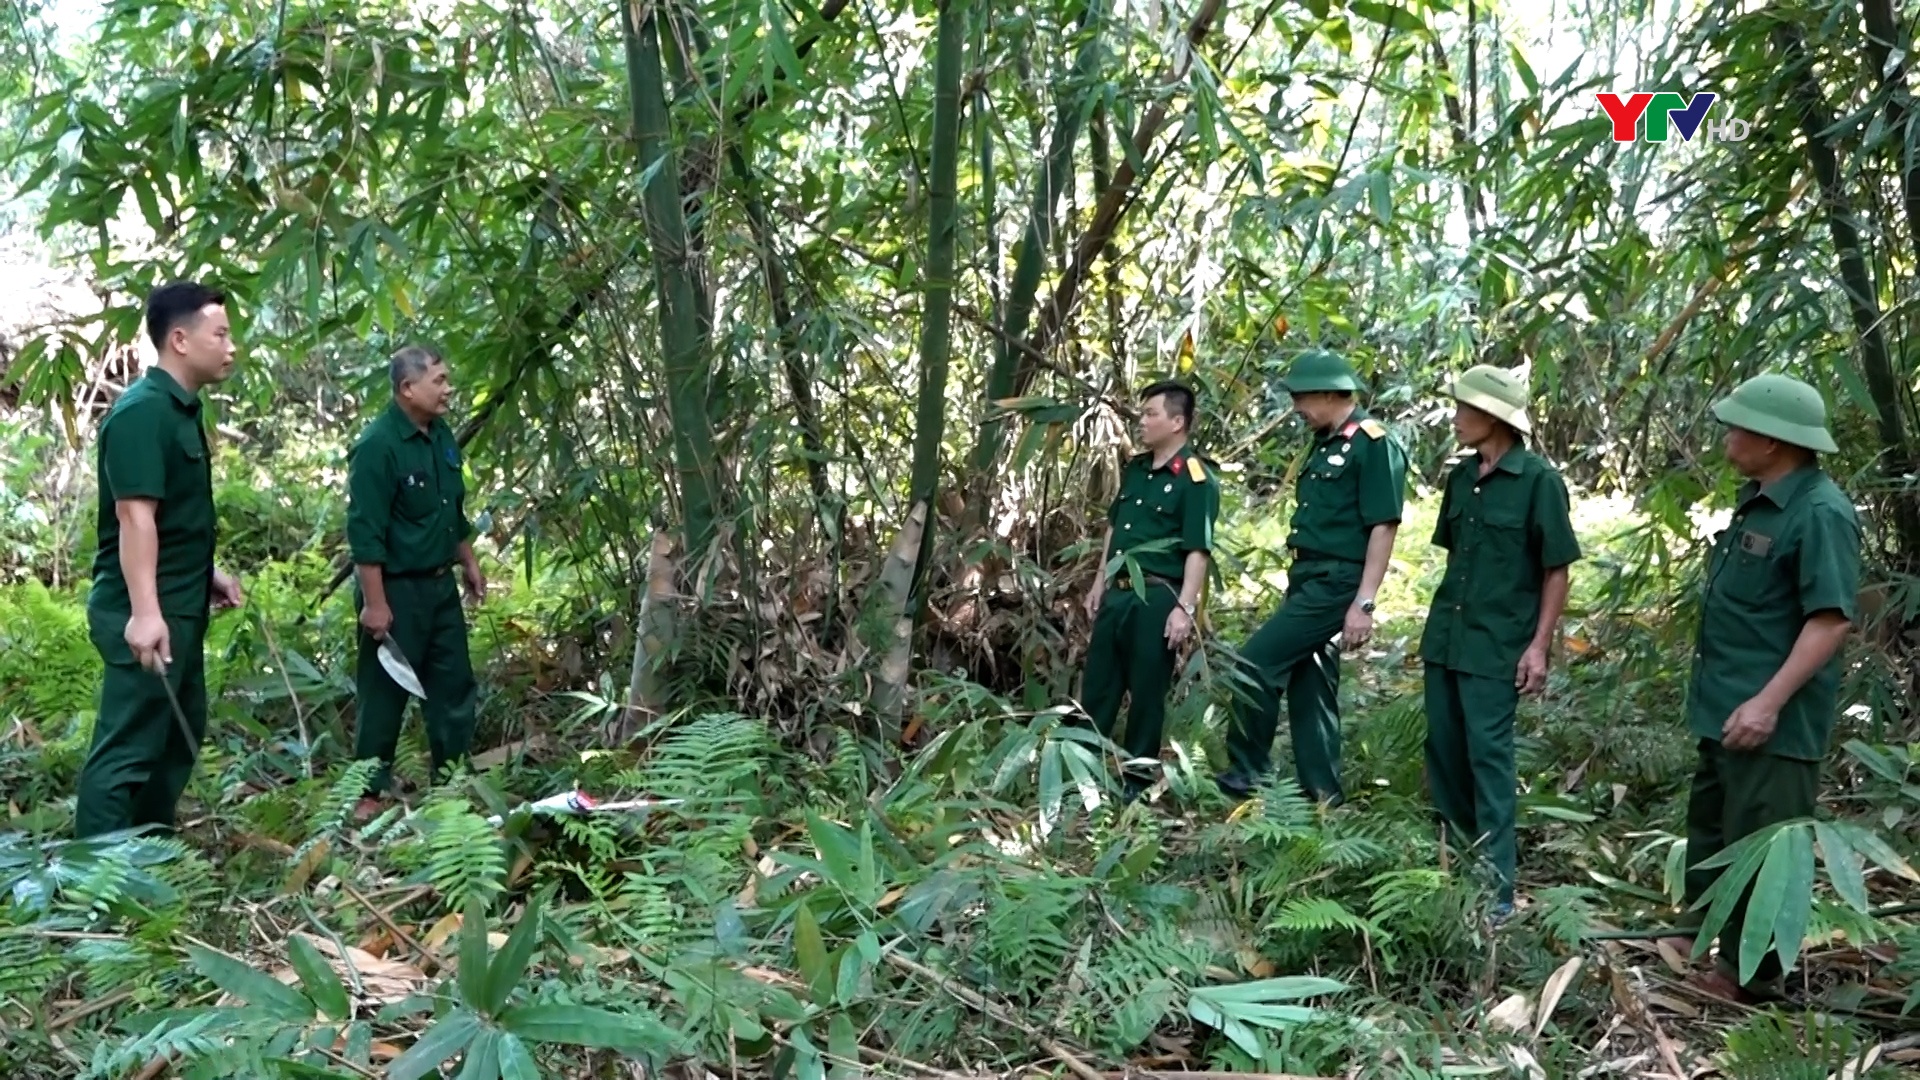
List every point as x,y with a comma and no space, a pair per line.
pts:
1320,371
1499,393
1780,408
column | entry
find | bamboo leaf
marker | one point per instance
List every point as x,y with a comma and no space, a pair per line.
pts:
510,963
1771,896
483,1057
253,987
322,982
1844,866
473,955
516,1061
810,952
580,1025
442,1041
1053,790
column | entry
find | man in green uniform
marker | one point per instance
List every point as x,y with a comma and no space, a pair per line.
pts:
1505,524
1778,603
406,527
154,581
1347,504
1159,537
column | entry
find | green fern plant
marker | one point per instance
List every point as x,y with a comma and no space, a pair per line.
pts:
461,854
1769,1046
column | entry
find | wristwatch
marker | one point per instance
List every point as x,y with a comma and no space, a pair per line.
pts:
1186,607
1366,604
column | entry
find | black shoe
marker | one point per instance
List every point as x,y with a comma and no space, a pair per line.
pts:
1233,785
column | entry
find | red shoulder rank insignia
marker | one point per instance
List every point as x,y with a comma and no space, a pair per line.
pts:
1175,465
1352,426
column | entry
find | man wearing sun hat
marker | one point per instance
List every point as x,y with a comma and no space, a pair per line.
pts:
1505,524
1778,603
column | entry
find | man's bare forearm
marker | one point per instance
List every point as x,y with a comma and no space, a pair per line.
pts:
1820,637
373,584
465,551
1379,551
139,556
1193,576
1553,602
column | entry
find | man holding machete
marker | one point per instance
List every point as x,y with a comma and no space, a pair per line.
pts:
154,581
406,527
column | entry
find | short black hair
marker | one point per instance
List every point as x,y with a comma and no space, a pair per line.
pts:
175,303
1179,399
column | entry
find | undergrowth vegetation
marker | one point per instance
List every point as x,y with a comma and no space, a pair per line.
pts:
799,899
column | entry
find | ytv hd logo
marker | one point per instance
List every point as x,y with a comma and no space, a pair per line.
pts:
1667,110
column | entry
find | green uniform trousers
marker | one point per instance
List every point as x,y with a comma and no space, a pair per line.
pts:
1129,655
1736,795
1470,766
140,761
430,630
1294,649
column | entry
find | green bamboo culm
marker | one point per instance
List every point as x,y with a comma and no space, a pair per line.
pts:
1077,97
681,342
937,315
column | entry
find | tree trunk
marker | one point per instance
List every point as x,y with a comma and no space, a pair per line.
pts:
890,633
1055,172
936,320
1875,360
680,340
1107,212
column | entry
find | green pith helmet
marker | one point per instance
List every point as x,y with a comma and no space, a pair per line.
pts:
1780,408
1499,393
1320,371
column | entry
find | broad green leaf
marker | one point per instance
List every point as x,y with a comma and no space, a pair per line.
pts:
1782,888
510,963
322,982
1053,789
1790,926
516,1061
483,1057
810,952
251,986
580,1025
851,967
1870,845
1745,856
807,1064
1395,16
443,1040
473,956
839,852
844,1045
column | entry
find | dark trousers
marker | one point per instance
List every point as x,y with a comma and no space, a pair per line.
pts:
430,630
1470,766
140,760
1129,655
1734,796
1294,650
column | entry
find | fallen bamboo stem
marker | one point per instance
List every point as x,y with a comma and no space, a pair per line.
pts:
91,1007
975,1000
426,954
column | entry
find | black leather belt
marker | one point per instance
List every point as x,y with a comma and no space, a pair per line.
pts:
414,575
1124,580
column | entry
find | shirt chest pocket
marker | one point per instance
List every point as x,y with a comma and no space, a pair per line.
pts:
1755,571
1326,476
195,471
416,498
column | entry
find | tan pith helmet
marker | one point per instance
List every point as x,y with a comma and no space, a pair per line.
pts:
1498,392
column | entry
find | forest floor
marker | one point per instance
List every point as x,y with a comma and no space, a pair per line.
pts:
984,908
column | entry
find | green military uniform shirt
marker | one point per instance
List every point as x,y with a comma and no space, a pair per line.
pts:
407,507
1354,479
1792,550
1162,514
152,446
1502,533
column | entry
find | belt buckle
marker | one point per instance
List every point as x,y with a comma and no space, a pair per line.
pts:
1123,580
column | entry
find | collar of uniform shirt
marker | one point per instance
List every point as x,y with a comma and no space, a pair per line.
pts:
188,401
1780,491
404,423
1510,461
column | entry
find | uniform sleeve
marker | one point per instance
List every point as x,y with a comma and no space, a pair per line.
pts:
1383,483
1198,509
1829,571
132,462
1443,526
1553,522
1113,508
370,484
